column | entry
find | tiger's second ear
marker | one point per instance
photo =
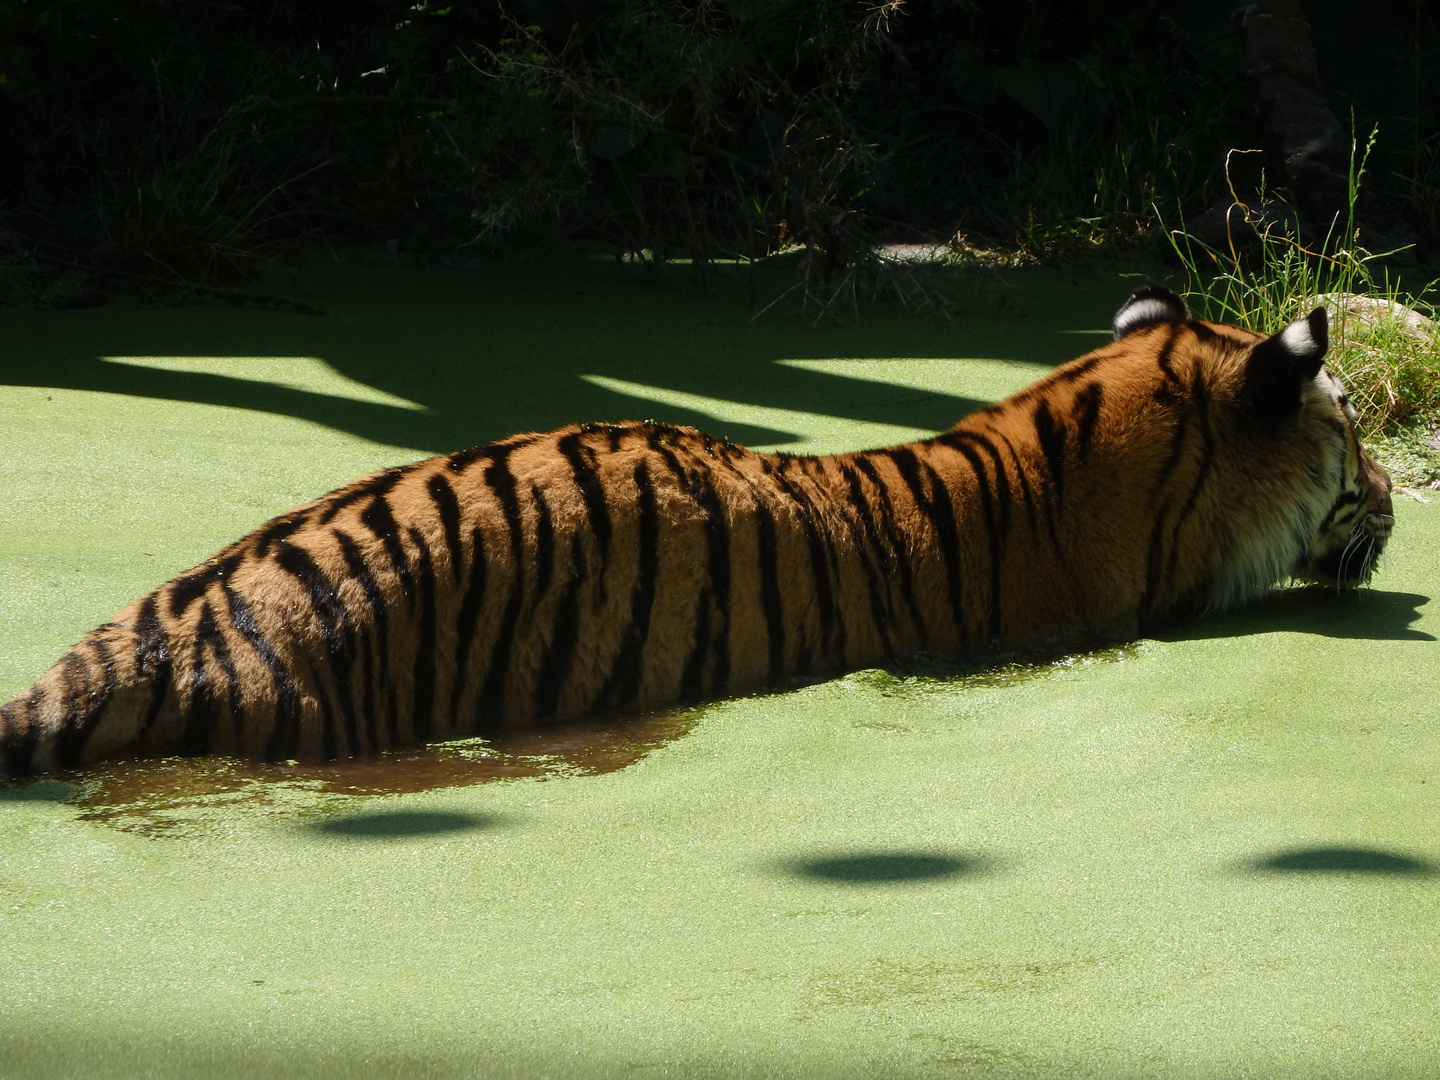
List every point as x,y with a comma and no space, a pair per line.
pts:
1282,364
1148,306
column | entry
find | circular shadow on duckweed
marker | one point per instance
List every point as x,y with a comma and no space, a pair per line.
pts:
889,867
379,825
1343,860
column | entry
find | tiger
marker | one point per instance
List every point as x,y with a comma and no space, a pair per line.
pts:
1185,467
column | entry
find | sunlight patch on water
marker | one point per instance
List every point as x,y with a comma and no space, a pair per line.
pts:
309,374
975,378
814,433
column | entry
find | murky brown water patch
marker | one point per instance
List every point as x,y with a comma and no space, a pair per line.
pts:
177,796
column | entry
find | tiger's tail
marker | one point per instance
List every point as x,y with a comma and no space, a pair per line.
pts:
106,694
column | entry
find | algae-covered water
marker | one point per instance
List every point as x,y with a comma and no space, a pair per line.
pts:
1216,854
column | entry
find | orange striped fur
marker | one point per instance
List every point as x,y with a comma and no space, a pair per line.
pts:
1187,466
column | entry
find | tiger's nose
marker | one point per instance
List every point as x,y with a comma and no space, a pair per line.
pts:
1378,522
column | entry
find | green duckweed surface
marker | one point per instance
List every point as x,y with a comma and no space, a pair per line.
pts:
1214,855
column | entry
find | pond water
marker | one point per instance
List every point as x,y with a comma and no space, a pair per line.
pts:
1218,857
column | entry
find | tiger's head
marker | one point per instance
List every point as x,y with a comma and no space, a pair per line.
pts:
1305,499
1356,526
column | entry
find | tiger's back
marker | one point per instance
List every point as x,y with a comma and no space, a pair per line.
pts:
538,578
548,576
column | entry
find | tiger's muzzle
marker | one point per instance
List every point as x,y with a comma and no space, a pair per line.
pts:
1355,531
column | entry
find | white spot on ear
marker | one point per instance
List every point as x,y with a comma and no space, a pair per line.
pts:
1299,341
1150,306
1143,313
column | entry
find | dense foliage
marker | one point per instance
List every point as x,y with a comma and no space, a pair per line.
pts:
185,140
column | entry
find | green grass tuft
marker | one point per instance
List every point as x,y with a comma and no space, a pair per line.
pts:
1384,340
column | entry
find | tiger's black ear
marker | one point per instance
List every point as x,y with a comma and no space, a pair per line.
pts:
1148,306
1280,366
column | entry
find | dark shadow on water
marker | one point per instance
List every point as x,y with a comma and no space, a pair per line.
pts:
507,349
388,824
1361,614
1339,859
887,867
438,428
42,790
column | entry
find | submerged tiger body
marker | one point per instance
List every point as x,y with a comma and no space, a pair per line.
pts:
1187,466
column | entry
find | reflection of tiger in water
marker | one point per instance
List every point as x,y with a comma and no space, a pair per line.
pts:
1188,466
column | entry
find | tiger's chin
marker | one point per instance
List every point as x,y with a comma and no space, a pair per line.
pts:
1352,565
1317,574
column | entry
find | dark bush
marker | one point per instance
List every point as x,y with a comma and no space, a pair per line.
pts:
171,141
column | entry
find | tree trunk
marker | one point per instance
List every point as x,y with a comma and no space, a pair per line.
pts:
1313,146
